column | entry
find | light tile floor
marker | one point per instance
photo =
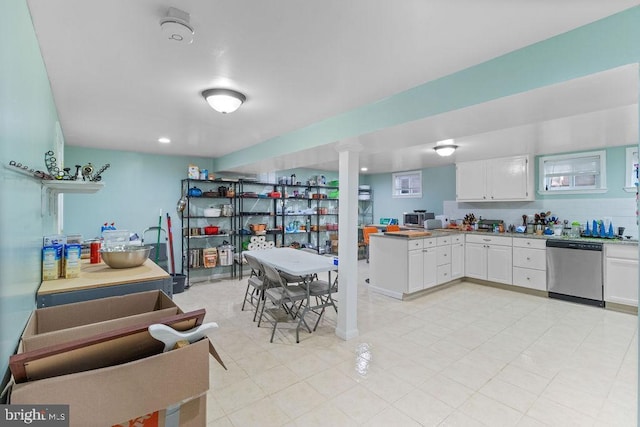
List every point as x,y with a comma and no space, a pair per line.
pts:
467,355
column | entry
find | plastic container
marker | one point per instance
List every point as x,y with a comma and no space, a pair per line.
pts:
557,229
225,255
178,282
212,212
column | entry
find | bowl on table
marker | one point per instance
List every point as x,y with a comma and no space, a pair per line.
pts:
125,256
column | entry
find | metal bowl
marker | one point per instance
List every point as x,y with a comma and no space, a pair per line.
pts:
125,256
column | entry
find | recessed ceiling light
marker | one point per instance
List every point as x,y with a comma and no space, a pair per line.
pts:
364,169
164,140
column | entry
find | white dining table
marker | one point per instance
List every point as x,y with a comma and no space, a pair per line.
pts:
297,263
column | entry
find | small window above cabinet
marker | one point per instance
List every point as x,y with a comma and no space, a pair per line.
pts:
494,180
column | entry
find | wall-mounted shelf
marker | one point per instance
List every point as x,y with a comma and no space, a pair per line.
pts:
52,187
59,187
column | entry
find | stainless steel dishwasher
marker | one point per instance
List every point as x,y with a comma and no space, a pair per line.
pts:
574,271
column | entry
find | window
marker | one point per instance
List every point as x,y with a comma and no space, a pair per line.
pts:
573,173
407,184
632,169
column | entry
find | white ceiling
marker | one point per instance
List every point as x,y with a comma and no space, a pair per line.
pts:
119,84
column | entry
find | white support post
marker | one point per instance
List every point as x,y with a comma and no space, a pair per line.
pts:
347,326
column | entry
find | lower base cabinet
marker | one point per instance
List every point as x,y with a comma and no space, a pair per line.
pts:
621,274
530,263
489,258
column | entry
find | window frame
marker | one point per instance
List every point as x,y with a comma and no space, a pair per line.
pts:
409,175
631,162
602,188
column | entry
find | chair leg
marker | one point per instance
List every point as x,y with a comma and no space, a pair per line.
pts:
275,324
257,306
261,312
246,293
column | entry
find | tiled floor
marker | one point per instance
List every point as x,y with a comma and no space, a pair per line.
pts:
468,355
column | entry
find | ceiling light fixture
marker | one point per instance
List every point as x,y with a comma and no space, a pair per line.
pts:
445,147
164,140
224,100
364,169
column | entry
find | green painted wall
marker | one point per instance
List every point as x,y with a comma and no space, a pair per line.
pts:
438,185
27,130
137,186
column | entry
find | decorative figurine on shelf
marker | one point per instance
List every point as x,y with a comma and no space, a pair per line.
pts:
82,172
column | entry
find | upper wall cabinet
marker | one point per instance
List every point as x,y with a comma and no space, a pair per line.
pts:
503,179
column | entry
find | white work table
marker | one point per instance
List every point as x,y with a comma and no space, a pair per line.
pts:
298,263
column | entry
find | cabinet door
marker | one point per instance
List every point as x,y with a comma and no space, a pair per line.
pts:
499,264
470,181
429,265
415,266
475,256
621,281
508,179
457,261
444,254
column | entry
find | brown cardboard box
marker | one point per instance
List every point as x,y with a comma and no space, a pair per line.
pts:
54,325
115,394
112,395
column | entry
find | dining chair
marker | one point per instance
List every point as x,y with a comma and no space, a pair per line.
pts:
366,233
393,227
323,290
255,285
280,293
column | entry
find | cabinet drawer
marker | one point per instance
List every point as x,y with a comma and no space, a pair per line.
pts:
621,251
489,239
429,243
414,244
457,238
530,258
443,255
442,241
523,242
443,274
529,278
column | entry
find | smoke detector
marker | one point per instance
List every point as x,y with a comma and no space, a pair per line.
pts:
175,26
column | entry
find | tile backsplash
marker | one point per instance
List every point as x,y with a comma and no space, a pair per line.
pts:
621,212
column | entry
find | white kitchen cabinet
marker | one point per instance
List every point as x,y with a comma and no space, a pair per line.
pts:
508,178
443,260
471,181
429,266
457,260
475,260
489,258
398,266
416,269
621,274
530,263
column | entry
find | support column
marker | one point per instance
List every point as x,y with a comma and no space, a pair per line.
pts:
347,327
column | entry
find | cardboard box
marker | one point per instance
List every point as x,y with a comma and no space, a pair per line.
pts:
64,323
112,395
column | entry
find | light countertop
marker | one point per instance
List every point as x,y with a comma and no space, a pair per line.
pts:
100,275
448,232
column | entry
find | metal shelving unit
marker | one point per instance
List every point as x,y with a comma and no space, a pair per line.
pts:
197,247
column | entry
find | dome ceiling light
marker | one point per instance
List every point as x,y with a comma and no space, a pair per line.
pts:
224,100
445,147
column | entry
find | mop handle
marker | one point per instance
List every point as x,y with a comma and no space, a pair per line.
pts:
159,228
